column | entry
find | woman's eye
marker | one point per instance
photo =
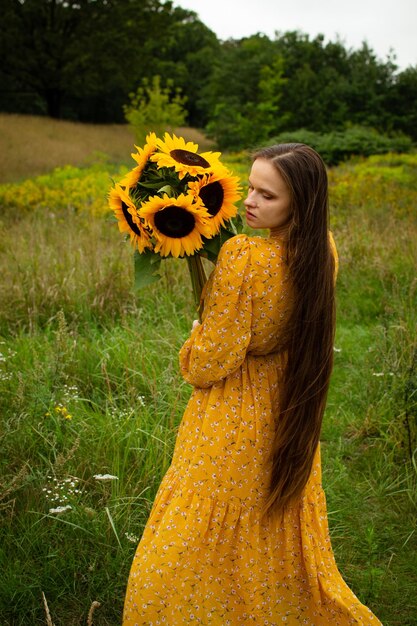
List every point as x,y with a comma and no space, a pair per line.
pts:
266,196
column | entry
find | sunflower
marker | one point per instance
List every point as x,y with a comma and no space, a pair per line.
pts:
141,157
177,223
183,156
218,192
128,219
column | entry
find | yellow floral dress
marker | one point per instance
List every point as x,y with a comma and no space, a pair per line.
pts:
207,556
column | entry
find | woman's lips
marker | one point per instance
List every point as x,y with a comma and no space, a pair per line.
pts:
249,214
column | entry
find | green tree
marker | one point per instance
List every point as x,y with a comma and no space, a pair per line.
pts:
402,100
244,92
235,124
155,108
314,94
81,57
329,87
187,54
236,72
260,88
370,82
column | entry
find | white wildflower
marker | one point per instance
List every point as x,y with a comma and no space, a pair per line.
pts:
61,490
105,477
337,349
61,509
70,393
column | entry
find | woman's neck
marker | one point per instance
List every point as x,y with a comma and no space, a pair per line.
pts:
280,232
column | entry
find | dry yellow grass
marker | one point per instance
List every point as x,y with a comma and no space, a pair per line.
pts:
31,145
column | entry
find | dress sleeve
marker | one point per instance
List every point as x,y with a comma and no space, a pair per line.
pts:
217,346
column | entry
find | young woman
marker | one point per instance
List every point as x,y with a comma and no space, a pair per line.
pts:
238,532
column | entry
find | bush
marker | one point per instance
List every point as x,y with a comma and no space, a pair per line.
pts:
340,145
155,108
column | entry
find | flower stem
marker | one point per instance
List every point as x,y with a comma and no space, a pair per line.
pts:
198,279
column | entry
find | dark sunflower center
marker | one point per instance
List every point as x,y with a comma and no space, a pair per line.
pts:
212,196
174,221
129,220
189,158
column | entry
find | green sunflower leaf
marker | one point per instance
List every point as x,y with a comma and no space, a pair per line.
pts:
167,189
147,267
154,185
212,246
236,224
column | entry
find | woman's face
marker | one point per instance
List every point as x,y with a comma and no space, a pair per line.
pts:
269,200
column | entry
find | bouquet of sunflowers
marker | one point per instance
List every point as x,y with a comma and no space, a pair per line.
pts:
176,202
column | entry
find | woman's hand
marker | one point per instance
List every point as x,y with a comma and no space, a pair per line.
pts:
195,324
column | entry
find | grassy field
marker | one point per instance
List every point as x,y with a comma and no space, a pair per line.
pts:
89,386
31,145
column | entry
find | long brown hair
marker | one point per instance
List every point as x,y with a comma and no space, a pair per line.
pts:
312,325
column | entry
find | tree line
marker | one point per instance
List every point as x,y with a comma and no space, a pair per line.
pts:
80,59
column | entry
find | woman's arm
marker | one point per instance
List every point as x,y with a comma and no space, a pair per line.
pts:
217,346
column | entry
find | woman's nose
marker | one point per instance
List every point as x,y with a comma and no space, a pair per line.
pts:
250,200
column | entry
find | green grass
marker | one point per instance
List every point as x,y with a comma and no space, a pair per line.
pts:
76,340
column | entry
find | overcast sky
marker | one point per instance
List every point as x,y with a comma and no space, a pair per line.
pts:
384,24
